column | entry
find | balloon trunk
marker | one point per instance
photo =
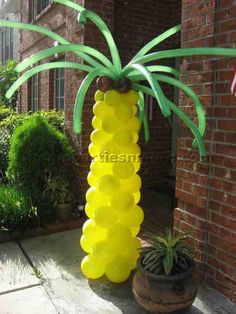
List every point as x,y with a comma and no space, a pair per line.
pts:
109,235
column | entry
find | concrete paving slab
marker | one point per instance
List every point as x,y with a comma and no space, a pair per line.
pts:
15,271
57,255
27,301
58,258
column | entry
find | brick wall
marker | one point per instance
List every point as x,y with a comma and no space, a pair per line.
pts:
52,17
133,25
206,190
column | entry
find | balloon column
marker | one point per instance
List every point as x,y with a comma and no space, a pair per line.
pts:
115,217
109,236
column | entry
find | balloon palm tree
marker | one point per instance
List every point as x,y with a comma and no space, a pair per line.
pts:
109,236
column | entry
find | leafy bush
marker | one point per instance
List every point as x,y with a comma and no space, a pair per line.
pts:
58,190
11,121
16,209
37,151
167,255
6,112
55,118
7,127
8,76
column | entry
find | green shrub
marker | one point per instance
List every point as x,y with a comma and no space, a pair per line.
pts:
8,76
7,127
16,210
11,120
6,112
37,151
55,118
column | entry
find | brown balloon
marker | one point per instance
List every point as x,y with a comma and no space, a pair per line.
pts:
104,83
123,85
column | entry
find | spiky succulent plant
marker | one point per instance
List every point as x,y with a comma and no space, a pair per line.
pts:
167,255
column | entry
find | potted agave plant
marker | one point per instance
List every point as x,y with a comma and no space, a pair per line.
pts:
165,279
59,193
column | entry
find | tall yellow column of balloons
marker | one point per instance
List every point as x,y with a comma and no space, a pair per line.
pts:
109,236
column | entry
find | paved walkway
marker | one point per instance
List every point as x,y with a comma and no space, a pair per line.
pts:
42,275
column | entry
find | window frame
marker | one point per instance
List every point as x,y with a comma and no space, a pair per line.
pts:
6,44
36,7
57,79
34,93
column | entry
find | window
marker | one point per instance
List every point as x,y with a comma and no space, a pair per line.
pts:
32,10
59,90
7,44
43,4
2,45
34,91
36,7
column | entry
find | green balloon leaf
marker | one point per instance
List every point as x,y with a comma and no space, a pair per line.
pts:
46,66
143,116
136,70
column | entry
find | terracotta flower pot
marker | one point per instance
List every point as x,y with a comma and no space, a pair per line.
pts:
63,211
164,294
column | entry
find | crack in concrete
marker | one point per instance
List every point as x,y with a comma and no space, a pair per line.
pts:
37,274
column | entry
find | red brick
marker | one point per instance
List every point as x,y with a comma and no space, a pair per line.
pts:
217,174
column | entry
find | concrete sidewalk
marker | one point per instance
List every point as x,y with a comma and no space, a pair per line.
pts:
42,275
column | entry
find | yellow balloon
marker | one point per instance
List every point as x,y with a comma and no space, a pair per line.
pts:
132,184
89,210
135,137
113,98
135,231
92,268
122,201
123,137
92,179
110,124
96,123
108,184
118,270
92,232
98,137
105,217
137,165
134,124
101,109
110,149
99,95
133,218
134,150
134,261
123,112
137,197
86,244
119,235
130,250
95,198
103,251
138,245
123,170
93,150
100,167
135,109
132,97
